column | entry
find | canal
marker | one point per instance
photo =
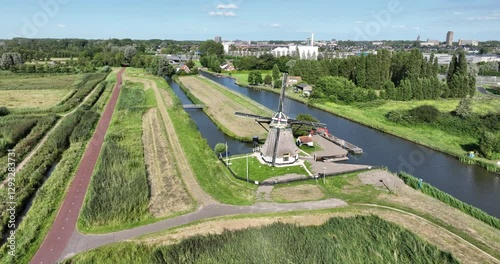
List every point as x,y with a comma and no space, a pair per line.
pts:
208,128
469,183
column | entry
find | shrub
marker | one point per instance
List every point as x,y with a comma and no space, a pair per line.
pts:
424,113
3,111
489,144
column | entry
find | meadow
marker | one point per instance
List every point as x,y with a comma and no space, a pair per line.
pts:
118,193
339,240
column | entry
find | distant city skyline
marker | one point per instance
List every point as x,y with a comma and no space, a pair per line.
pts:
252,20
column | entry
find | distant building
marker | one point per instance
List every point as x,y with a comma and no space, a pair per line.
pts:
378,43
473,43
227,45
228,66
293,80
449,38
218,39
430,43
309,52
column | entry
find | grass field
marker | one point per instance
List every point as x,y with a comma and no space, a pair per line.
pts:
118,194
339,240
40,99
260,172
222,104
38,82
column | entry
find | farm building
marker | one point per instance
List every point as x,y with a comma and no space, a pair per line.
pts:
228,66
305,140
306,89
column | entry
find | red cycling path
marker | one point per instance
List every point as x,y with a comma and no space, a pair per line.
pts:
65,222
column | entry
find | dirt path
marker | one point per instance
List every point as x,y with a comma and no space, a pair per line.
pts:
65,222
163,100
30,155
168,195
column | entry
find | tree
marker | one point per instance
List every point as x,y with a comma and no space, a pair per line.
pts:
277,83
220,148
9,60
276,72
464,108
489,144
129,52
268,80
190,64
303,130
210,47
257,78
165,68
251,78
215,65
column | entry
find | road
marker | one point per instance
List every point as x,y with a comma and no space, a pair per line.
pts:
65,222
483,91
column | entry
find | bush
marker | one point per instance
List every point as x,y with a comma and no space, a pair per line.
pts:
3,111
424,113
489,144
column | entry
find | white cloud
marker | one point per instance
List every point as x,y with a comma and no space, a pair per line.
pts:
480,18
220,13
61,26
228,6
358,22
276,25
458,13
399,26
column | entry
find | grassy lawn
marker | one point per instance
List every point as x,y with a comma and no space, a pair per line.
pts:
310,150
260,172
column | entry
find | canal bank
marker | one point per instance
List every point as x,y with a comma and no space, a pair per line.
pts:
471,184
350,115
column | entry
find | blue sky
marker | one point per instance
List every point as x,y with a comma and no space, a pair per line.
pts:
251,19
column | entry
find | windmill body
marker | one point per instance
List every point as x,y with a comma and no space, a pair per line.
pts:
280,147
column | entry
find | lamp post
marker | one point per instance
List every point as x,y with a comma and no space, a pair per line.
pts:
324,175
247,168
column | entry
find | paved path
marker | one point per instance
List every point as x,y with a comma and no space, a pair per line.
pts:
80,243
483,91
65,222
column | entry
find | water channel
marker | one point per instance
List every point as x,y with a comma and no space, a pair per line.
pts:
469,183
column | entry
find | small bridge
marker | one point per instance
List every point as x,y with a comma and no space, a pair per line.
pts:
193,106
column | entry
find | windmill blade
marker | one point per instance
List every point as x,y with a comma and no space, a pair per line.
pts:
307,123
253,116
282,94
